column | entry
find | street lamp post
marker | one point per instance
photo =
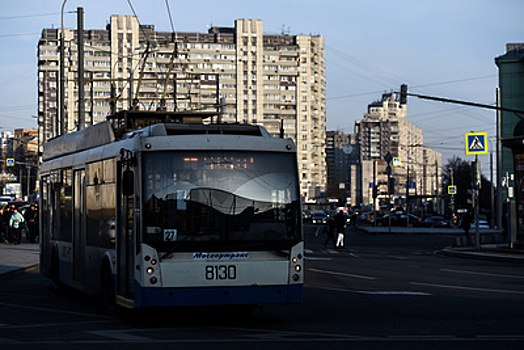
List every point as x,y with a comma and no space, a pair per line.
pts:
60,127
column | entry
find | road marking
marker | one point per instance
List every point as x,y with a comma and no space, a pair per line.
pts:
57,311
392,293
317,258
342,274
120,334
468,288
331,251
481,273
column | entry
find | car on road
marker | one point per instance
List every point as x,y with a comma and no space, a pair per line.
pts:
319,217
436,222
398,219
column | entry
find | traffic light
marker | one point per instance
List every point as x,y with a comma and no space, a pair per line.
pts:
403,94
391,185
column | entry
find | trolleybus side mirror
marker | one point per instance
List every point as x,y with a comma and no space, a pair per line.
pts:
128,183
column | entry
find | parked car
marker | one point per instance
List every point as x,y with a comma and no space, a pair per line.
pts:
435,221
319,217
398,219
306,215
482,224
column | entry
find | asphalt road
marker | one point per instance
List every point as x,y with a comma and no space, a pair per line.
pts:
380,292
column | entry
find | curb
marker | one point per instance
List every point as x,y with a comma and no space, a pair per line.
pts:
18,271
482,255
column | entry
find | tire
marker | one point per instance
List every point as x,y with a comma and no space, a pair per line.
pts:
108,291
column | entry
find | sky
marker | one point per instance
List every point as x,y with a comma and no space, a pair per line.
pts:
443,48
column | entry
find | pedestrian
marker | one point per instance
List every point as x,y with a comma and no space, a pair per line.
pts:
16,225
340,225
6,216
466,224
31,217
329,230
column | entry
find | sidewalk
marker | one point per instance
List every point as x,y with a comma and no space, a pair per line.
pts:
487,251
18,258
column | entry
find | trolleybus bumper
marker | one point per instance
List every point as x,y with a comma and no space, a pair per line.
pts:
154,297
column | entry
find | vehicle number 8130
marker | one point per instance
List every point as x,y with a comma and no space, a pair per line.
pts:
221,272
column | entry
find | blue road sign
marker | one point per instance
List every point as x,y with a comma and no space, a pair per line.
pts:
476,143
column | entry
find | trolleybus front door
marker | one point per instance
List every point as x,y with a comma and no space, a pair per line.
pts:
79,236
125,242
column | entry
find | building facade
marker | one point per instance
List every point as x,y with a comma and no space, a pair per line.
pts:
511,132
277,81
416,171
342,155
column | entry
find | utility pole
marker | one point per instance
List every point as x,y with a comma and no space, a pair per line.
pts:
499,163
476,203
437,192
80,44
59,123
452,196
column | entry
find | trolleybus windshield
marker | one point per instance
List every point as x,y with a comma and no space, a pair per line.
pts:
220,200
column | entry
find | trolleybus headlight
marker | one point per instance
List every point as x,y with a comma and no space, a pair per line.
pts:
147,257
150,270
298,268
294,260
299,256
153,280
153,262
296,277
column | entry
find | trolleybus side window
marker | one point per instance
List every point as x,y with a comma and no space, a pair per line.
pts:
66,205
100,203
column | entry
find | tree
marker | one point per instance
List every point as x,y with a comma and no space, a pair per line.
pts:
463,177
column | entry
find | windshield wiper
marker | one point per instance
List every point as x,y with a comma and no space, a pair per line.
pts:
173,249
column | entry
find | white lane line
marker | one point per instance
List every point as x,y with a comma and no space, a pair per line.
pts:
342,274
481,273
50,310
308,251
118,334
392,293
468,288
312,258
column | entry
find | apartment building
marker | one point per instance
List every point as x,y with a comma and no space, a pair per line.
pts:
385,129
342,155
277,81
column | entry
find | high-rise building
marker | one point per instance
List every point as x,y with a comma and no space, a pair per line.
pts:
511,133
342,153
417,168
277,81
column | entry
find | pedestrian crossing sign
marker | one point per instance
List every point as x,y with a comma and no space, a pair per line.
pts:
397,161
452,189
10,162
476,143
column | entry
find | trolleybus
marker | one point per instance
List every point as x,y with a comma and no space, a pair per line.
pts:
170,209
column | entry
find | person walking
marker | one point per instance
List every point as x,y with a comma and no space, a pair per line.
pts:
31,217
329,230
466,224
340,225
6,216
16,225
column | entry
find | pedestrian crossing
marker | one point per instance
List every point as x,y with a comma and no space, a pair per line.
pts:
329,251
